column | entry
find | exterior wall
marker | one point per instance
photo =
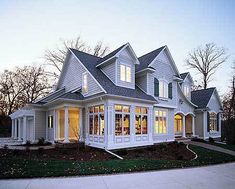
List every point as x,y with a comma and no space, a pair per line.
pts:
29,128
125,59
142,82
110,70
165,71
50,131
199,124
72,77
40,124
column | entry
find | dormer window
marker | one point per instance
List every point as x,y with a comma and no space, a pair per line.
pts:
125,73
163,89
84,83
186,90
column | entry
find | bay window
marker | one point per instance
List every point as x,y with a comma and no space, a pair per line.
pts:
125,73
122,120
96,120
141,121
160,122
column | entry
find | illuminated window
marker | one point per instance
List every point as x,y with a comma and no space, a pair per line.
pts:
96,120
213,121
178,123
160,122
163,89
122,120
125,73
84,83
141,121
50,122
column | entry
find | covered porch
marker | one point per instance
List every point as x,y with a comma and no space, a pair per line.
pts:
184,125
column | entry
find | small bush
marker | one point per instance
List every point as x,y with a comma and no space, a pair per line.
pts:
162,146
27,149
5,147
211,140
40,151
122,152
15,152
28,143
41,141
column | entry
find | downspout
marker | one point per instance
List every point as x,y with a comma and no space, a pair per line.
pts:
119,157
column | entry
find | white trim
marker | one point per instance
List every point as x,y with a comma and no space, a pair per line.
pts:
88,71
217,95
145,69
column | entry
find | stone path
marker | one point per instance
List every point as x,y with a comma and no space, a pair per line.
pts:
212,147
216,177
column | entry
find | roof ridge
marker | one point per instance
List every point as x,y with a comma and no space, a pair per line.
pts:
152,51
86,53
204,89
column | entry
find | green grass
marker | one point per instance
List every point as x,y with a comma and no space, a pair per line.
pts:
16,167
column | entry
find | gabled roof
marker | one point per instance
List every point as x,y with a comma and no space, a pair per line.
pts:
90,62
202,97
146,59
184,75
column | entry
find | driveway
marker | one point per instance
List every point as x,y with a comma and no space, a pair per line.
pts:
217,176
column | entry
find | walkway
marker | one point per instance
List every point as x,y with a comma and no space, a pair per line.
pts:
212,147
217,176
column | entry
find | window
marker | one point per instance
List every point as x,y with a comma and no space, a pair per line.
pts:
96,120
122,120
141,121
160,122
163,89
50,122
186,90
125,73
84,83
213,121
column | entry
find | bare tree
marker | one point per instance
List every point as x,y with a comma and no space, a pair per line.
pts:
206,60
55,58
22,86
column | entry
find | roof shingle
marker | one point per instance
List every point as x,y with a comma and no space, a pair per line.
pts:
202,97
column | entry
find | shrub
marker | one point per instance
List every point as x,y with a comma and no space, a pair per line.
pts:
40,151
162,146
41,141
27,143
5,147
211,140
122,152
27,149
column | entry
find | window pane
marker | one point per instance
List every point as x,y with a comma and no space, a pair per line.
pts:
101,108
156,113
96,109
101,124
137,110
128,74
160,113
144,124
91,110
118,108
118,124
156,125
126,109
91,124
122,72
96,125
144,110
160,125
137,124
164,125
161,89
164,114
126,124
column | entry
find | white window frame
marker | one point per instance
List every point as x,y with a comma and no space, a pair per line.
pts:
123,114
85,83
214,129
164,93
127,73
163,110
141,114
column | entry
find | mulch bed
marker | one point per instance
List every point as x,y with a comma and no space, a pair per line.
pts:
170,151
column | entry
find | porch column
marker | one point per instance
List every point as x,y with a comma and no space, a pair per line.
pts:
12,128
24,128
19,128
15,129
80,124
183,129
193,125
66,124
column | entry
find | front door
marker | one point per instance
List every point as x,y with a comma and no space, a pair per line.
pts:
178,124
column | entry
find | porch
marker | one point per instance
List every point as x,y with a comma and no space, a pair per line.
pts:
184,125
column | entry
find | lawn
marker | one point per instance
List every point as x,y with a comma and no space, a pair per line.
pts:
24,167
226,146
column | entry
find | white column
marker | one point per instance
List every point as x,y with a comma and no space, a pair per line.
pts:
19,129
12,128
193,125
55,122
15,129
24,128
80,125
132,124
66,124
183,131
47,125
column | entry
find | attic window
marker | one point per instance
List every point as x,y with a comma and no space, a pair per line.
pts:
125,73
84,83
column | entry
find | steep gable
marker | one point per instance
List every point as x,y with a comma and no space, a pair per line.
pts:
202,97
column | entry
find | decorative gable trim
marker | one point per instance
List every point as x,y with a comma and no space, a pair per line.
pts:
88,71
171,60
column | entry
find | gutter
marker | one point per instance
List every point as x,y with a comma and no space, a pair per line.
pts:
119,157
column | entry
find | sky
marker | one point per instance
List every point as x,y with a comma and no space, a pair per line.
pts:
29,27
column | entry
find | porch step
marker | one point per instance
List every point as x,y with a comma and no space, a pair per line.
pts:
180,139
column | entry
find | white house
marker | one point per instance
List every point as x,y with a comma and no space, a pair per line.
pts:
120,101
